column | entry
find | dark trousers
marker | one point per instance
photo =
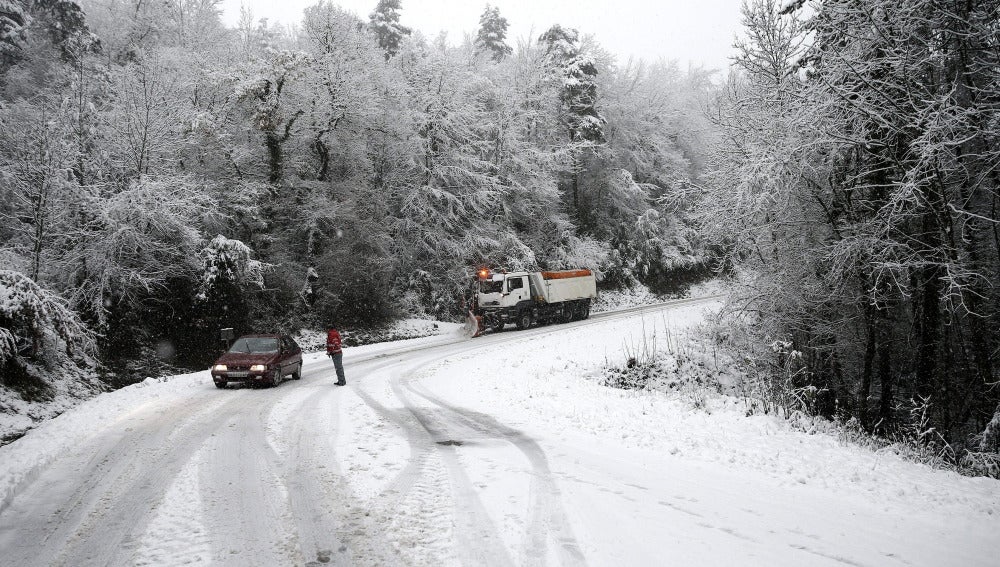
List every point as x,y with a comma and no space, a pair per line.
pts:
338,363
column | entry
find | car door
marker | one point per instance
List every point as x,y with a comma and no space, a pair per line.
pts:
291,355
284,359
296,358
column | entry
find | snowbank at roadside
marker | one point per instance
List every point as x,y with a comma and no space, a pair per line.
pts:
24,457
315,340
561,392
639,295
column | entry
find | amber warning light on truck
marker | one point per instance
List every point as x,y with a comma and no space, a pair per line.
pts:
484,274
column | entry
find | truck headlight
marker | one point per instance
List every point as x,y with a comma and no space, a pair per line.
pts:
220,368
258,368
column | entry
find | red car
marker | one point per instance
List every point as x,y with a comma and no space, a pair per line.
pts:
259,359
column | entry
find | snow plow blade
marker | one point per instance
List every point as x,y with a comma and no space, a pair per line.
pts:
473,325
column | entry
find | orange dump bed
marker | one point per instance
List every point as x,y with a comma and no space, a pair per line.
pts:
565,274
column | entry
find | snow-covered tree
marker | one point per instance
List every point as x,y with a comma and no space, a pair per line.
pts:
146,113
36,183
262,86
384,23
228,263
852,191
66,25
579,88
13,24
492,34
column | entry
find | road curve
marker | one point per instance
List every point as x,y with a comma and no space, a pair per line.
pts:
302,474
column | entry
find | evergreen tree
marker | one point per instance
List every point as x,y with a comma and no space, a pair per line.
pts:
385,24
579,84
13,21
67,27
576,74
492,33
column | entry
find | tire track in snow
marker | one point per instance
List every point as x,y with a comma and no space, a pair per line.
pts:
548,517
124,476
245,497
415,535
547,514
335,524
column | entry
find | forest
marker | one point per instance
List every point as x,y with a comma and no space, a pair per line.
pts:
163,176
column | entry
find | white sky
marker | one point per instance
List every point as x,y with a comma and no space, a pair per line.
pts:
699,32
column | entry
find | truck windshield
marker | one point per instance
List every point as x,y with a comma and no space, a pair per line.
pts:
255,345
490,286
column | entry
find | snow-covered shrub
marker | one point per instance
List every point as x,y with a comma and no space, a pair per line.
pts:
228,262
681,364
45,355
990,439
35,322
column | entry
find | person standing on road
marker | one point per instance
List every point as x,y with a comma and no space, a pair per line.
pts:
334,351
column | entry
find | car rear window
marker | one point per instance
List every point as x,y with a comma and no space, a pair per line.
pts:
255,345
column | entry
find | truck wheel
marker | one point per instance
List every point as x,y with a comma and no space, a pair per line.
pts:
498,326
585,310
524,321
567,313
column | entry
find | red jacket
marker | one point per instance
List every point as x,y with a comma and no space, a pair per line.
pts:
333,342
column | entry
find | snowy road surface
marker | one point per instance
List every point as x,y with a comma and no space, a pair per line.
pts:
503,450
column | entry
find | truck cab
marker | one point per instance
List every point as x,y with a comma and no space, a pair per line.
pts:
504,290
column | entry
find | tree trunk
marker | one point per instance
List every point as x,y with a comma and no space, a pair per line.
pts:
869,362
929,335
274,157
884,368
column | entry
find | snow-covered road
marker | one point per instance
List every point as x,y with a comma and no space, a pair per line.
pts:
448,451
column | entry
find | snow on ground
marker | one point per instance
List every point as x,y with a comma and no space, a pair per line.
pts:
315,340
543,464
67,386
614,300
18,415
639,294
861,507
23,458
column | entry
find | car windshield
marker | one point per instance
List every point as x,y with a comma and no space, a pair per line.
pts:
255,345
490,286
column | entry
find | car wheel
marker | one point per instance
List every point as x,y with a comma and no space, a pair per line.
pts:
220,384
297,375
524,321
276,378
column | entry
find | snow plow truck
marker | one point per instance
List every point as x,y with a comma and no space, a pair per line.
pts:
528,298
